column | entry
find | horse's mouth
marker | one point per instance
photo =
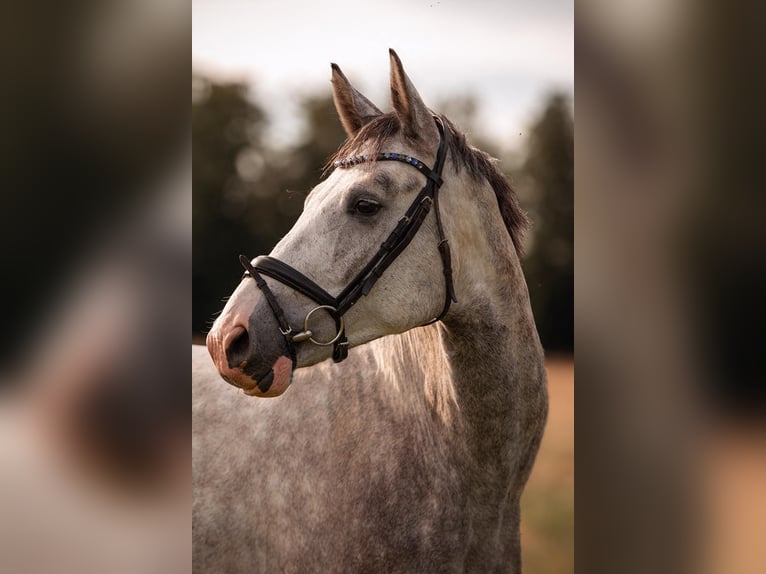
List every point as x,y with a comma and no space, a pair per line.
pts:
231,356
271,384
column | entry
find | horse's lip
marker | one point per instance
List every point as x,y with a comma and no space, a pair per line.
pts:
238,381
251,385
237,384
271,384
262,386
275,382
264,383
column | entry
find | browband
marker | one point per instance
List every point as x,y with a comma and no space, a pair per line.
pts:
432,174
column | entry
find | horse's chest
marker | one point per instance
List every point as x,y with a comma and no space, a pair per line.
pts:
394,498
341,493
388,510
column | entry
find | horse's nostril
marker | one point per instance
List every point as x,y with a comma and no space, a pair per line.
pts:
238,348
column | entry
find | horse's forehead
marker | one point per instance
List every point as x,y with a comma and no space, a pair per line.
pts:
331,189
389,178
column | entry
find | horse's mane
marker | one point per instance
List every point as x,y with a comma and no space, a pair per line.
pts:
479,165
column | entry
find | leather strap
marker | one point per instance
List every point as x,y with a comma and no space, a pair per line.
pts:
284,325
296,280
293,278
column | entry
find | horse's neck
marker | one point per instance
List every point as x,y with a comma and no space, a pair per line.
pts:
480,374
498,374
490,335
499,380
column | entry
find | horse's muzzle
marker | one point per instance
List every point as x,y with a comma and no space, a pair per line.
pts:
230,347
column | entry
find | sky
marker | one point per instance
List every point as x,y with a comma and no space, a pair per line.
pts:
508,54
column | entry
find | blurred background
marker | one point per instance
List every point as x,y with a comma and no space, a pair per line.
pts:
95,216
670,394
95,246
264,124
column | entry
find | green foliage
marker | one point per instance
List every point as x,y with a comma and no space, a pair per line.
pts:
548,178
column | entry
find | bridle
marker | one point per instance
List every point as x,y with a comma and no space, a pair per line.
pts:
364,281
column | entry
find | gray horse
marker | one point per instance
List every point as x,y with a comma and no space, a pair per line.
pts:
410,456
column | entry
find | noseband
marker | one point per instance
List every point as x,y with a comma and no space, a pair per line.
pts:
364,281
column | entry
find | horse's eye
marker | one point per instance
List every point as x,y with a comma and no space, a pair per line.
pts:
367,207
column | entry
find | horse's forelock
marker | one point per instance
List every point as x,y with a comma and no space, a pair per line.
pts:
372,137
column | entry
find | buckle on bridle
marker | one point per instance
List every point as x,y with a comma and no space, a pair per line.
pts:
302,336
308,335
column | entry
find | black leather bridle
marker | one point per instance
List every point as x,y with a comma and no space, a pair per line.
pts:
364,281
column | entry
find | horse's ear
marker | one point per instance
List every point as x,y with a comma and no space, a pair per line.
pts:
353,108
417,120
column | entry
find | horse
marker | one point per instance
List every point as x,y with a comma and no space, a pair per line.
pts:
410,450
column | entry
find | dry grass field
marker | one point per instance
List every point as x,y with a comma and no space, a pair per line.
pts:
733,481
547,515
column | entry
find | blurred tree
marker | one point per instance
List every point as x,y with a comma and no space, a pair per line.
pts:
241,198
463,112
225,125
322,137
548,176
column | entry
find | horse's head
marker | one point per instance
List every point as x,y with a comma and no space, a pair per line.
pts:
264,332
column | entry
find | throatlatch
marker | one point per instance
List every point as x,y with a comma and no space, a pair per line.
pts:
362,284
